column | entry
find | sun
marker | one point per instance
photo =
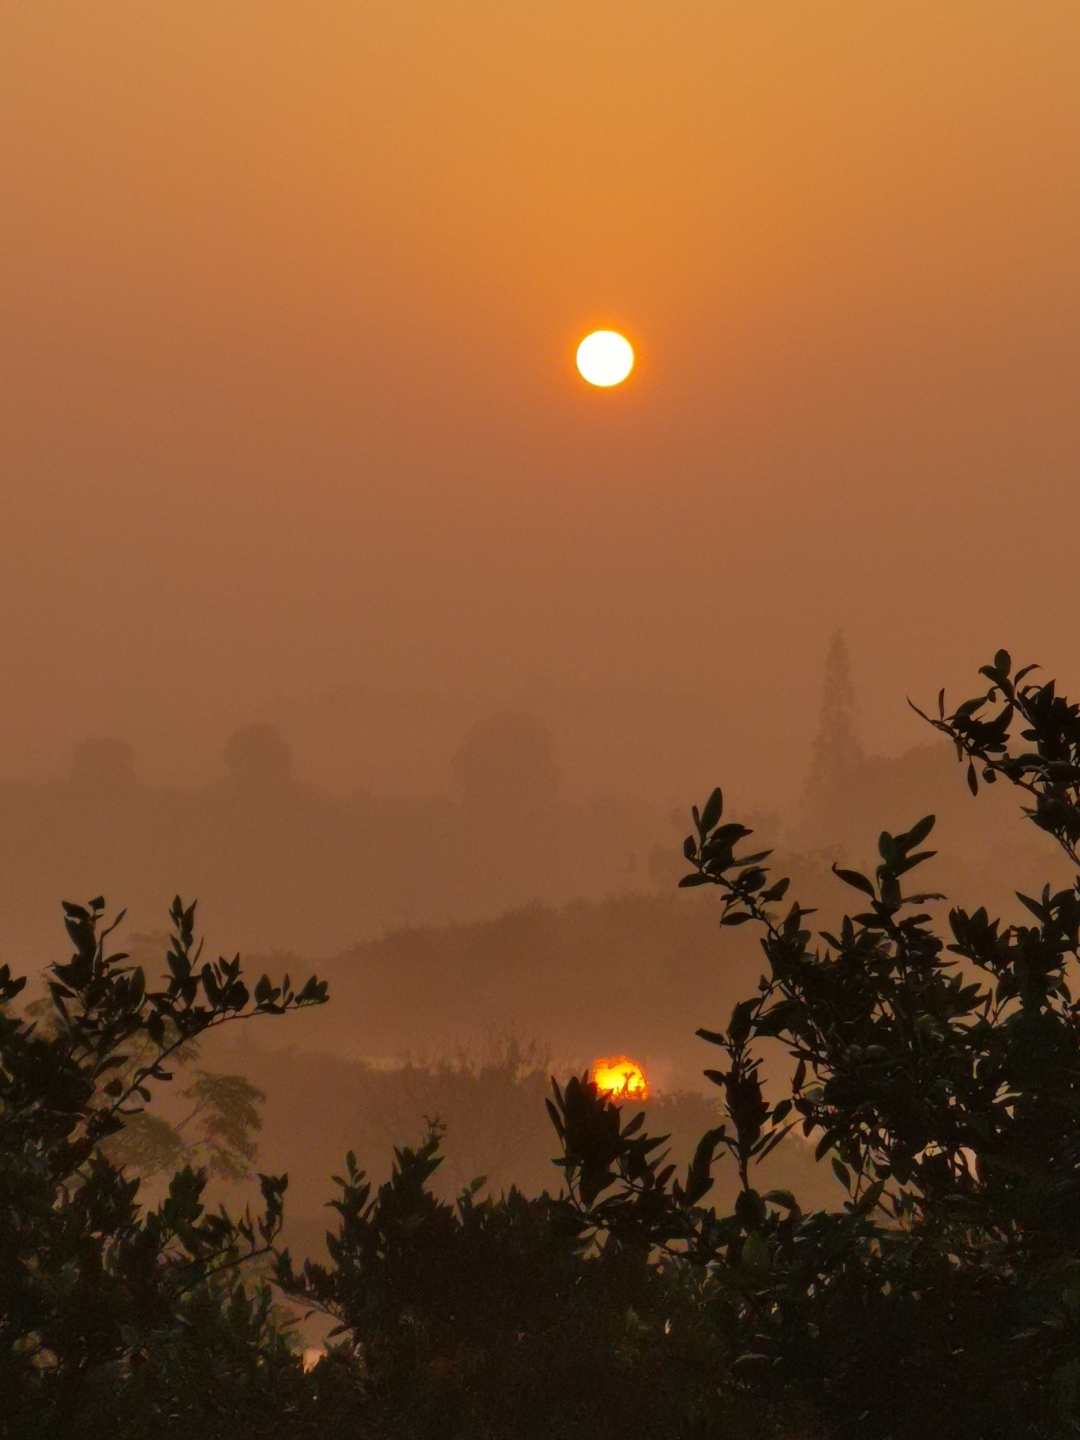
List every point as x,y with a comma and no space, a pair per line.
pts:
605,358
620,1078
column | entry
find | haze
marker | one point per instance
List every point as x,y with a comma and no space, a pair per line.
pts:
333,596
290,295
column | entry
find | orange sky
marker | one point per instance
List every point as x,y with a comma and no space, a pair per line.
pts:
288,300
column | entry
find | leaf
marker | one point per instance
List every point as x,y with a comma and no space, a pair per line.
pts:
919,831
774,1137
918,858
1040,912
869,1198
782,1197
825,1144
714,1037
755,1251
855,880
775,892
754,859
749,1209
841,1172
741,1020
714,807
972,778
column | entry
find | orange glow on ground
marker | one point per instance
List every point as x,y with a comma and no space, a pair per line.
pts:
621,1078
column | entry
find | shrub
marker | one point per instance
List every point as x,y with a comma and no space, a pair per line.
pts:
489,1318
940,1075
91,1283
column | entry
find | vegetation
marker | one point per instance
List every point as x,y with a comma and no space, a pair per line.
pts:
463,1319
92,1284
488,1318
941,1077
935,1065
492,1105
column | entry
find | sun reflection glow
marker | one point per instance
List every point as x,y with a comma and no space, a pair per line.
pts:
621,1078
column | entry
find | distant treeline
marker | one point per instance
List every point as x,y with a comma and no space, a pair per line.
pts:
279,864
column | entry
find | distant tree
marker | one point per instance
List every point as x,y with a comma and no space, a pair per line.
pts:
106,767
507,761
216,1131
216,1127
837,754
258,759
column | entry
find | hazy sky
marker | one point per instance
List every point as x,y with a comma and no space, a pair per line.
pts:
289,292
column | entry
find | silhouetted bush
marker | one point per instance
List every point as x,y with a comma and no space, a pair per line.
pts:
93,1285
941,1078
487,1318
475,1319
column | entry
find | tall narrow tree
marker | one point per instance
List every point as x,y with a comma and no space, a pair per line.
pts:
837,754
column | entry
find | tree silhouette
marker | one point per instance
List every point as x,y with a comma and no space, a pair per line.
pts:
257,758
837,753
507,760
105,767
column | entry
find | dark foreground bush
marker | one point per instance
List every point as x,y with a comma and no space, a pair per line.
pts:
483,1319
488,1319
940,1076
93,1284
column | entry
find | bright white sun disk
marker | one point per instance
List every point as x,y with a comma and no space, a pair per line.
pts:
605,358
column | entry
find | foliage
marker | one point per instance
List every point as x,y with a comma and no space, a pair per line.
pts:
488,1318
89,1279
476,1319
216,1132
224,1367
940,1075
221,1116
214,1120
937,1070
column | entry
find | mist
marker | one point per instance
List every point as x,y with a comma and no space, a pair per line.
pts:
334,601
291,436
289,306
